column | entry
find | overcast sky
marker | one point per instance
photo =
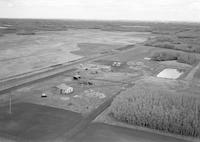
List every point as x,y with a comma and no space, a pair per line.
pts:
159,10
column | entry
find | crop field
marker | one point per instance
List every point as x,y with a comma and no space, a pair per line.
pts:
158,109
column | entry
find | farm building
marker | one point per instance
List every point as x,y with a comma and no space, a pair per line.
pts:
64,89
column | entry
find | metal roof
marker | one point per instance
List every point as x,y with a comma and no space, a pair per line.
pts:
63,86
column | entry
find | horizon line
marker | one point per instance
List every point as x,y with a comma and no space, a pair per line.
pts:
104,20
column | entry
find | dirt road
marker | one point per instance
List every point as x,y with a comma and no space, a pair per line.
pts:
190,75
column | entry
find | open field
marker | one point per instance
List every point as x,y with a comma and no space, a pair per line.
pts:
20,54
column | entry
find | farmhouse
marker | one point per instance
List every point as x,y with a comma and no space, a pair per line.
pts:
63,89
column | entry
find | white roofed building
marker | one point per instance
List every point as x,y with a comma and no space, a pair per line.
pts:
64,89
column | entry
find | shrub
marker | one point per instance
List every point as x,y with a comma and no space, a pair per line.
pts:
146,107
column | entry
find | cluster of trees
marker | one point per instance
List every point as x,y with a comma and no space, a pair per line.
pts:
179,56
143,106
173,43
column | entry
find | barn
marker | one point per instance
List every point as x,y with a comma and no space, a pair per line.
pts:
64,89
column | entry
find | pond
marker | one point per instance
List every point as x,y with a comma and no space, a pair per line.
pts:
170,73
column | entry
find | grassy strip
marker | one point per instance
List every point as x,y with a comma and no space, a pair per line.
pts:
160,110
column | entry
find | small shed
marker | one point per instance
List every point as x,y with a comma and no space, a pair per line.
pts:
116,64
64,89
77,77
86,82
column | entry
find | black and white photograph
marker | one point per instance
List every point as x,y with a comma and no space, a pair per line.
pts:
99,70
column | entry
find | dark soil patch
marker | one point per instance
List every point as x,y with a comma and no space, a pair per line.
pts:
35,122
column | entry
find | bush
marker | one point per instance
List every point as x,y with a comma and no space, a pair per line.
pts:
146,107
179,56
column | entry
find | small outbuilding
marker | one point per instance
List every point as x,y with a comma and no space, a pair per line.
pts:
86,82
64,89
77,77
116,64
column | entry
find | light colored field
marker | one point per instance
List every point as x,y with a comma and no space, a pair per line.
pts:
170,73
20,54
